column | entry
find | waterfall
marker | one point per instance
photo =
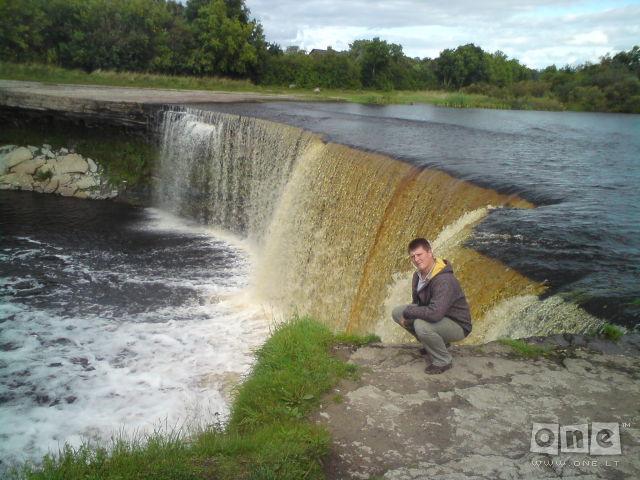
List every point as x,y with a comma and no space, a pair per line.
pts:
224,170
332,222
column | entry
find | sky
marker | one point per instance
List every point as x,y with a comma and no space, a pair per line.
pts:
539,33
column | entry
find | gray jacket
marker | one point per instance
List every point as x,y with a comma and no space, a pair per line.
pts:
441,297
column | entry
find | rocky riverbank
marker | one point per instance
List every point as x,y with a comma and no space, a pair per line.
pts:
44,170
476,420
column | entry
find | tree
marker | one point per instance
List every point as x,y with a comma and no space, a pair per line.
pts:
226,44
463,66
22,27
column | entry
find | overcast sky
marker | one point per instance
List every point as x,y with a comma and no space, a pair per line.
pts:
537,32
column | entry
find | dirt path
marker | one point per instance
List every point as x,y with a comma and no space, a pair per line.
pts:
475,421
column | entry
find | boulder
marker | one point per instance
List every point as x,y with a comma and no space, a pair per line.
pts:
14,157
33,149
66,185
16,181
29,167
87,181
4,149
71,163
93,168
51,186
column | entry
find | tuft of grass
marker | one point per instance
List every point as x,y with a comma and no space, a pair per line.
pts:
267,436
612,332
43,175
356,340
524,349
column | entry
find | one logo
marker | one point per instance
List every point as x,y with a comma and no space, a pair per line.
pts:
550,438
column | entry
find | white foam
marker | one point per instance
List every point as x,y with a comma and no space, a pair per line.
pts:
163,366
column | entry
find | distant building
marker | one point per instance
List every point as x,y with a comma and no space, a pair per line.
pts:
320,51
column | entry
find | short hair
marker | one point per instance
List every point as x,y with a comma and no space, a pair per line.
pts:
419,242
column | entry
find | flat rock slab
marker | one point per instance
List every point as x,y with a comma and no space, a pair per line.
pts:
119,106
475,421
129,94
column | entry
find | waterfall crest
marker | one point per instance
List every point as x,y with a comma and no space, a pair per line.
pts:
332,222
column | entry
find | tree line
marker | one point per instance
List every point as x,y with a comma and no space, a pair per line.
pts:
219,38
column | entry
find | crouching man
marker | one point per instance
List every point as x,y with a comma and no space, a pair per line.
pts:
439,313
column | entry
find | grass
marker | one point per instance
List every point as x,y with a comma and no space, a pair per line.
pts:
611,332
356,340
524,349
53,74
43,175
267,436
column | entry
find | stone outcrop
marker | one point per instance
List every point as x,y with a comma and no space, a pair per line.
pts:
41,169
475,421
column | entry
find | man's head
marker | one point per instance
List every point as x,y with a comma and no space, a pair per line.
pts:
421,255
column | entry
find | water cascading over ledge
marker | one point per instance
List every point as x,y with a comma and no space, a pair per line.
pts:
332,223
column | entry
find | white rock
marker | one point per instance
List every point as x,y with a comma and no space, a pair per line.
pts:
72,163
29,167
87,181
33,149
46,146
16,181
93,168
14,157
51,186
7,148
65,179
67,190
63,151
48,153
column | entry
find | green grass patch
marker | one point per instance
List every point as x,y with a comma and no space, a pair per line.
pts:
267,436
611,332
52,74
356,340
524,349
43,175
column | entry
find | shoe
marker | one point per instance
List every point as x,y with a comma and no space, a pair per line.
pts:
436,370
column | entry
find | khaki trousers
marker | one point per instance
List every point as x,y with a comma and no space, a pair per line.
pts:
433,336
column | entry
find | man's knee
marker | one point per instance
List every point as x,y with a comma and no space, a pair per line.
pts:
396,314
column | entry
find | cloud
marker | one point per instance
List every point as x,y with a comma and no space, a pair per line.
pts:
537,32
596,37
